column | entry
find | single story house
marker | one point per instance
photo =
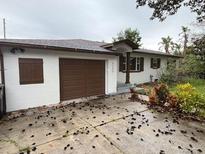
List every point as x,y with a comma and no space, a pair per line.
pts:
39,72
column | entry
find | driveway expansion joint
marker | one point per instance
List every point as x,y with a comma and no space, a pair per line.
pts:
103,135
135,112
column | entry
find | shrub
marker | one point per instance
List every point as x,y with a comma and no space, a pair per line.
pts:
134,94
190,100
162,92
159,94
172,101
169,75
153,97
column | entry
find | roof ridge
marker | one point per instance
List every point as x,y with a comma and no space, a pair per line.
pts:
51,39
150,50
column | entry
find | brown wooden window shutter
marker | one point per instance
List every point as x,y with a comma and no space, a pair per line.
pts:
141,63
30,71
122,63
151,64
158,62
133,63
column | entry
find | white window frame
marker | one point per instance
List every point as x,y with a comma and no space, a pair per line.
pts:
137,64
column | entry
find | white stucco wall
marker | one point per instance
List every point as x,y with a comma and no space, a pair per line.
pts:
143,77
33,95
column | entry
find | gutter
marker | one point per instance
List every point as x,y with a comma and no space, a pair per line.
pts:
166,55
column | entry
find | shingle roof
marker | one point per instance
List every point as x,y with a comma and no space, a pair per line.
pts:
76,44
154,52
71,43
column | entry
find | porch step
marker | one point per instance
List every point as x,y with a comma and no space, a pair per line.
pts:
126,89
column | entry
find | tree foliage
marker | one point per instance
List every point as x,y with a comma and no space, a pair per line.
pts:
176,49
164,8
169,75
185,38
199,45
191,65
166,44
131,34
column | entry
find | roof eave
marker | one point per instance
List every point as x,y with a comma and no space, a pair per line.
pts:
166,55
11,44
127,41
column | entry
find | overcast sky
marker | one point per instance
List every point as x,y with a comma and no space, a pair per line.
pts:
97,20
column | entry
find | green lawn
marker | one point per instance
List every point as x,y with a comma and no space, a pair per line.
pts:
199,84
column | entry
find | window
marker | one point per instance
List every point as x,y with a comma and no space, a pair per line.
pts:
30,71
136,64
155,63
122,63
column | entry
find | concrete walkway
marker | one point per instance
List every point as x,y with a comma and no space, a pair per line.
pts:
110,125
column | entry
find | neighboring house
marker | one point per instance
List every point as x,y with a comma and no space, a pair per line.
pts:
42,72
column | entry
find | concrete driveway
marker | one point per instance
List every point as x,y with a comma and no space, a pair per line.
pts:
109,125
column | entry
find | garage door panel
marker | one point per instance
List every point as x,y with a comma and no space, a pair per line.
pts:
74,90
95,84
81,78
74,82
96,91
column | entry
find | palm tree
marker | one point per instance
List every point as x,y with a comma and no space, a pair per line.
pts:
177,49
166,44
185,35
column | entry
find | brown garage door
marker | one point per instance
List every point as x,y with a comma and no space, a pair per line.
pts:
81,78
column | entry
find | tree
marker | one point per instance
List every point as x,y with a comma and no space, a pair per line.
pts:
131,34
164,8
199,45
198,49
185,36
166,44
177,49
191,65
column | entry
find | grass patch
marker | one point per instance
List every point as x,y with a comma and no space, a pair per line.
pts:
26,149
198,84
10,141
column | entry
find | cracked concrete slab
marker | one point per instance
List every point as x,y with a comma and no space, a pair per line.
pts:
98,113
45,132
107,125
144,139
91,143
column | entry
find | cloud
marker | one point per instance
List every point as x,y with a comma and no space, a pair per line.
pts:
87,19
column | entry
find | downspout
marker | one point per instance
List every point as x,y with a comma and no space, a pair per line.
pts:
3,81
128,68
